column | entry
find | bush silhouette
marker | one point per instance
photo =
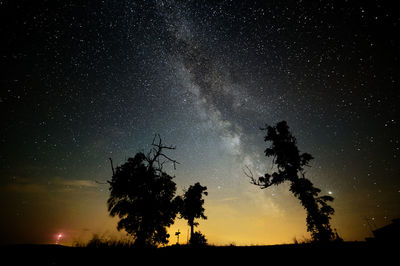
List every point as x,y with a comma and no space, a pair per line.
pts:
290,167
197,239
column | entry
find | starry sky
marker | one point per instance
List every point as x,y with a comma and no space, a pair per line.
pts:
83,81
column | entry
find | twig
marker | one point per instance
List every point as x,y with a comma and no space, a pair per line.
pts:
101,183
250,175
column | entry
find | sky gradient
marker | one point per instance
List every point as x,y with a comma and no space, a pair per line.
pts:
85,82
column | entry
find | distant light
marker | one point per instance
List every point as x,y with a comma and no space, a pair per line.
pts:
59,238
330,192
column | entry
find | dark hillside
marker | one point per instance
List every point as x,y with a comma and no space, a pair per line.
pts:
308,254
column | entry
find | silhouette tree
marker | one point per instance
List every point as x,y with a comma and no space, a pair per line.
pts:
290,167
191,206
142,196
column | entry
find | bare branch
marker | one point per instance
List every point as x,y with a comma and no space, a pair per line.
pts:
160,145
169,159
250,175
164,147
112,166
253,180
155,135
156,152
160,164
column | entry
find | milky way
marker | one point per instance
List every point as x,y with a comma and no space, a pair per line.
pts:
85,82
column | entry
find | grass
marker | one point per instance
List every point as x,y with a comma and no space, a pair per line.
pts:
104,242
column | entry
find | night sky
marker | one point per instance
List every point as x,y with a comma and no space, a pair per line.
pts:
84,82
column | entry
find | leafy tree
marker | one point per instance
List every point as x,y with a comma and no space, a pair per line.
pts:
191,206
142,196
290,167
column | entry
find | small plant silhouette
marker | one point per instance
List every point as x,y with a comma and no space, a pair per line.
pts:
290,167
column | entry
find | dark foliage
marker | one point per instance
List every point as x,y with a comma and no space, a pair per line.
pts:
197,239
191,205
290,167
142,196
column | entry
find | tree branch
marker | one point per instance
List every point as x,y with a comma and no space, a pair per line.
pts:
156,152
253,180
250,175
174,162
112,166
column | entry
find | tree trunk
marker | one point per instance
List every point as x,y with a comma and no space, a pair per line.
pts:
191,231
191,223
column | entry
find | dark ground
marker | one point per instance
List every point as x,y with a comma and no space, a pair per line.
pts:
357,253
